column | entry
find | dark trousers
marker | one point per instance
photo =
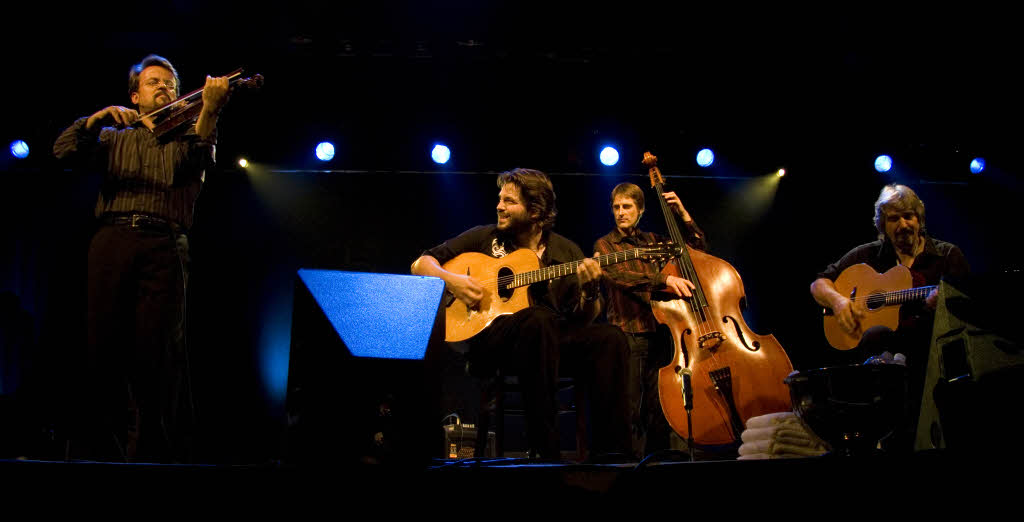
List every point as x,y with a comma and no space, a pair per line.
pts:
538,346
138,406
648,352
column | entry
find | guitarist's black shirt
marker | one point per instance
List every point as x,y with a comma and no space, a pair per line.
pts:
939,261
561,295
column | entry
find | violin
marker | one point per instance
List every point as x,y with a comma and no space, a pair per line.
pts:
185,110
721,373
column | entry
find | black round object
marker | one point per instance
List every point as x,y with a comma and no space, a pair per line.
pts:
850,407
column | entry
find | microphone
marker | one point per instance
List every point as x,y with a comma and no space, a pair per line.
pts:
687,387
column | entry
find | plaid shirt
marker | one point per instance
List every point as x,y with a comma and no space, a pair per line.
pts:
628,285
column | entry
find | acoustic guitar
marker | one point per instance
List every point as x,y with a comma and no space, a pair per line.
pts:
882,295
504,279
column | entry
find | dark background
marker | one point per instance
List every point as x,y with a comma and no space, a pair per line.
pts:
818,91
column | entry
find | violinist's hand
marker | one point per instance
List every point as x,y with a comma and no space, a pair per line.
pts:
677,205
589,274
215,94
466,289
113,115
679,286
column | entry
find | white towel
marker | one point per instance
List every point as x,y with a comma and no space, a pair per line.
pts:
766,456
778,435
757,446
780,448
752,434
771,419
794,429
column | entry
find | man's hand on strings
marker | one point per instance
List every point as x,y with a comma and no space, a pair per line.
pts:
467,290
679,286
849,313
676,205
589,276
215,94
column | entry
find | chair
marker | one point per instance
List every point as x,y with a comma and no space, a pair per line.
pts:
492,407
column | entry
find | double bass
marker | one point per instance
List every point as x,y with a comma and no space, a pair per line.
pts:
720,371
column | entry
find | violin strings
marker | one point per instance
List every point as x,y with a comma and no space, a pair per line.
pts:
184,98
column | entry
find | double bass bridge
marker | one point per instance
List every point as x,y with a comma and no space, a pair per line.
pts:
710,340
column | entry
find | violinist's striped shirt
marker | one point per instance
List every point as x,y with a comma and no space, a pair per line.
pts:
141,173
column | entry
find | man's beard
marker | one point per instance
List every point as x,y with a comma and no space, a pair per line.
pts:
905,241
160,101
514,224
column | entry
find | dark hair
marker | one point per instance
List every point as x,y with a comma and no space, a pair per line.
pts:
136,70
537,192
631,191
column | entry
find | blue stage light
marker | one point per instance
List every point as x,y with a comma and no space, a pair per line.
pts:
977,165
19,149
883,163
325,151
609,156
705,157
440,154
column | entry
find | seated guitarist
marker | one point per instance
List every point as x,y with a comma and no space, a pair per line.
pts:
555,334
902,240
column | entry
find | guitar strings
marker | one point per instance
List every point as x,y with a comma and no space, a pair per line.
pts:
510,279
910,292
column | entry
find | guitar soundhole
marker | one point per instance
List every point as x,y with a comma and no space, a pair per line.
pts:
875,301
505,276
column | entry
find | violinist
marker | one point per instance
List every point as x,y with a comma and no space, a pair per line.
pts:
138,266
627,289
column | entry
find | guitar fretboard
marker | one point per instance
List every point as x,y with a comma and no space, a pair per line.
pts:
564,269
899,296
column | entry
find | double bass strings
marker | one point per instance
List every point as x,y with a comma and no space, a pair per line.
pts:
686,267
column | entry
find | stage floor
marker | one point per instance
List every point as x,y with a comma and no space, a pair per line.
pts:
930,482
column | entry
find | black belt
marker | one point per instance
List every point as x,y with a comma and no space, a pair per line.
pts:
143,221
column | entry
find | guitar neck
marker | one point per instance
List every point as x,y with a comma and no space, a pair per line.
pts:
564,269
905,296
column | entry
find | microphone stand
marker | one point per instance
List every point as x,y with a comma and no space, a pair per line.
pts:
687,390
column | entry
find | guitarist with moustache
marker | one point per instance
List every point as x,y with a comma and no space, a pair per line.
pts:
902,240
555,334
